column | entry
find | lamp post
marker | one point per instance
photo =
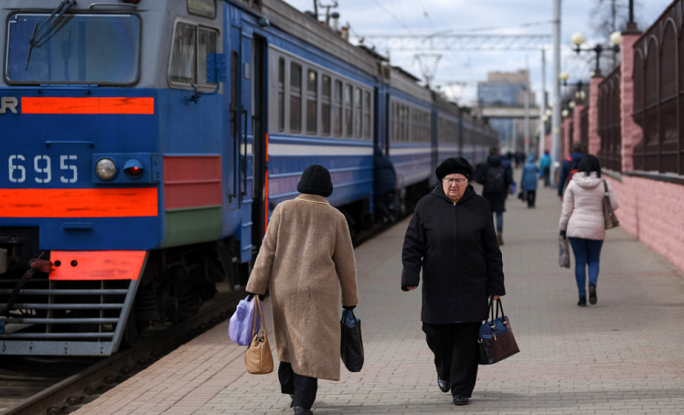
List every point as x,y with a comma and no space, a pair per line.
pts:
555,129
615,39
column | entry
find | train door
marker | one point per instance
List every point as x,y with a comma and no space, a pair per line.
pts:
259,146
252,142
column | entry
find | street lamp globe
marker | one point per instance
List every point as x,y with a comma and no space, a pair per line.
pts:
565,113
571,104
616,38
578,38
563,76
548,113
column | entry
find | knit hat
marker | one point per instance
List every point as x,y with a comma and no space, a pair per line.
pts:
315,181
454,165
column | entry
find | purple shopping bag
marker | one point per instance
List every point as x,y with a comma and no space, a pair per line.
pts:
240,328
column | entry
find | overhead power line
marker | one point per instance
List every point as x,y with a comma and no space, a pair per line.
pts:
485,29
392,15
467,42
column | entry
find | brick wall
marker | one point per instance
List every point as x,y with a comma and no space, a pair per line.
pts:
648,211
631,132
594,137
577,119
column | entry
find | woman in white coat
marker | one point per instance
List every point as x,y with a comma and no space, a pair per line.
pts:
582,222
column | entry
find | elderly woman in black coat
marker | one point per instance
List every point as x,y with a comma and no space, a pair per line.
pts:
451,237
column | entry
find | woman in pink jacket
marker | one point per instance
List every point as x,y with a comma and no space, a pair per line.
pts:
582,222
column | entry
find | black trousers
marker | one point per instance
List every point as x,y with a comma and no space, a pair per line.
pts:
547,176
303,388
531,197
456,354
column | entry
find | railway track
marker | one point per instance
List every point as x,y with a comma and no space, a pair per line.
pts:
71,393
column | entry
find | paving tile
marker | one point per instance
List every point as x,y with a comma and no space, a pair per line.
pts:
621,356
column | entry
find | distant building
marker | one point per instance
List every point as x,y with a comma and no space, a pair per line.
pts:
507,89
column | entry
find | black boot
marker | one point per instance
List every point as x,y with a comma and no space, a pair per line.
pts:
443,385
302,411
461,400
582,302
592,294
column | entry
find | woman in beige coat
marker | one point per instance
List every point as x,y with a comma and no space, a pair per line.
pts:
582,222
305,258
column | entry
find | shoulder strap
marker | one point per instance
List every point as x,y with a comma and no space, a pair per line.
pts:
605,188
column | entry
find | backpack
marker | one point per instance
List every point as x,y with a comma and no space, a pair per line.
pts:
494,180
574,168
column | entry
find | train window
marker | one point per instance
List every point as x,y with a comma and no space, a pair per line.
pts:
338,109
325,105
281,94
191,45
295,98
357,113
311,102
349,91
366,114
184,57
206,44
82,48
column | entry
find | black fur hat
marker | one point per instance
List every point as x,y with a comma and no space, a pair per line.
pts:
454,165
315,181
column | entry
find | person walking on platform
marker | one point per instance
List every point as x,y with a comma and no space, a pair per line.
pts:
583,223
451,238
497,179
306,256
529,179
570,167
545,164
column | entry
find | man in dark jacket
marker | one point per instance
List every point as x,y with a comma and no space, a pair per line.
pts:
384,185
497,179
451,238
570,165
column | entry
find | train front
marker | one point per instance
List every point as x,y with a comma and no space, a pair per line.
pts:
79,173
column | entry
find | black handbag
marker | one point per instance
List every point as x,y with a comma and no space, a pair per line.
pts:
496,338
351,347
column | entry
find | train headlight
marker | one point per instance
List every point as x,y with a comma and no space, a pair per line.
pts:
105,169
133,168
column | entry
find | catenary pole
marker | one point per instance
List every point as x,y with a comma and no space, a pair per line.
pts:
542,107
526,143
555,142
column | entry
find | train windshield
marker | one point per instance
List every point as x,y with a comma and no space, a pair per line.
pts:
75,49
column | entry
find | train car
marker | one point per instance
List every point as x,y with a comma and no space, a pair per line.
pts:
146,143
410,140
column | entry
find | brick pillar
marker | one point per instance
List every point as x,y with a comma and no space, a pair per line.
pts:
567,140
594,137
547,143
631,132
577,118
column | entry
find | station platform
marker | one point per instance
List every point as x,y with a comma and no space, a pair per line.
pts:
621,356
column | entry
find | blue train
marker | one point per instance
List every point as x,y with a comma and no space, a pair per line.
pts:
146,142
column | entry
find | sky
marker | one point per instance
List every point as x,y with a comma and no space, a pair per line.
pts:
421,17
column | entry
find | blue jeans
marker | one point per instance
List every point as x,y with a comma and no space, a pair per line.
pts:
499,222
587,252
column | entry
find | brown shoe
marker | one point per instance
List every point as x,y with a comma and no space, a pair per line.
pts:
499,236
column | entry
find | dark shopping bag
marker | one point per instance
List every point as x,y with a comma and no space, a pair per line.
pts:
351,348
563,252
496,339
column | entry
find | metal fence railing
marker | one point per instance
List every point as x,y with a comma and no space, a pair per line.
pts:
609,120
659,94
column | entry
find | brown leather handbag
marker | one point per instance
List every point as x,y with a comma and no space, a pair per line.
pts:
258,358
609,219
